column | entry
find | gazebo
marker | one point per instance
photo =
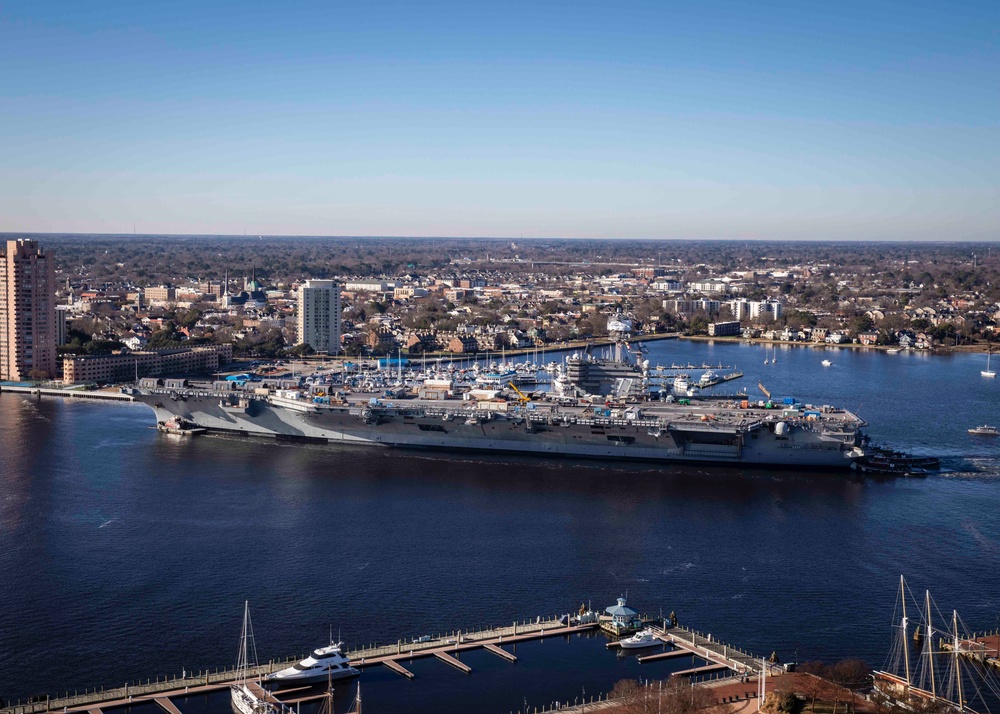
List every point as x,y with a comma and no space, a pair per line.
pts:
623,619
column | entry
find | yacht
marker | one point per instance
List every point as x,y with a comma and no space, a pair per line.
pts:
985,430
325,663
644,638
826,363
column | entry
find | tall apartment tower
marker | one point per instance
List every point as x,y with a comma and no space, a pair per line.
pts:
27,311
319,315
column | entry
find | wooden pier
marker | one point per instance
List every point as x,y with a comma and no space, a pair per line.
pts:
457,664
983,647
685,642
167,705
699,670
500,652
643,659
442,647
398,668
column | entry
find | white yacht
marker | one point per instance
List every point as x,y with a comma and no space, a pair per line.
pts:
643,638
682,386
325,663
988,372
708,379
826,363
985,430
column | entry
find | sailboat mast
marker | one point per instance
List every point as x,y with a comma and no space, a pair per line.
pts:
905,640
958,660
930,641
242,657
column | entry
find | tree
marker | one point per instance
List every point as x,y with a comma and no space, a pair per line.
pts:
813,684
164,339
853,675
190,318
302,350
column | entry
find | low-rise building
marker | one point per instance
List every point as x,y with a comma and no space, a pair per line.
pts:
125,367
724,329
160,293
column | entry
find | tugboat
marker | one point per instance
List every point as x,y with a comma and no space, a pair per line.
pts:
178,427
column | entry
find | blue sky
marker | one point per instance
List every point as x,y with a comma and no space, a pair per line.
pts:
766,120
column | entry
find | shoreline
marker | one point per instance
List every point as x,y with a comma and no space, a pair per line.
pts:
967,349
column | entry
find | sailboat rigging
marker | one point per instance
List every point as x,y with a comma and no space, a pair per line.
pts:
247,696
949,665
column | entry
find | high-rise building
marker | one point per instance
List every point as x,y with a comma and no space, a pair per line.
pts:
27,312
319,315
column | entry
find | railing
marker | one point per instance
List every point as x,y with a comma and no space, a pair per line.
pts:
750,663
157,685
178,684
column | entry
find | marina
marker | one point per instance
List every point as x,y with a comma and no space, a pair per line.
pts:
244,679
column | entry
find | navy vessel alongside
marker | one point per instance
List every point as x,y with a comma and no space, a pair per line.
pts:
634,420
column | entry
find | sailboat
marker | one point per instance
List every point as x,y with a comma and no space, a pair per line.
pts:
326,706
942,674
988,372
247,696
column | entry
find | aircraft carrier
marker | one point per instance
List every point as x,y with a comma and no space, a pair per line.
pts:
716,430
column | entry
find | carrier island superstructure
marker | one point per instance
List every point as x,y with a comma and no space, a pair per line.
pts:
627,424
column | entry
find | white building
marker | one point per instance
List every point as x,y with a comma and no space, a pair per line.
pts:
763,308
319,315
709,287
368,286
754,310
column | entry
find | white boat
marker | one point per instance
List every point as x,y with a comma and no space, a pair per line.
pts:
893,351
708,379
988,372
826,363
644,638
248,697
326,663
985,430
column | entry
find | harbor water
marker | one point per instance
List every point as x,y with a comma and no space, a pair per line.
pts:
125,554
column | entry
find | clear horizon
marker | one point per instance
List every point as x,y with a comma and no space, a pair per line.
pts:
785,121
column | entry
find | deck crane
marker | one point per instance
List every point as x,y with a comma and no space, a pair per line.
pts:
761,387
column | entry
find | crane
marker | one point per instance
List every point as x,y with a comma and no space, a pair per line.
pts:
522,397
761,387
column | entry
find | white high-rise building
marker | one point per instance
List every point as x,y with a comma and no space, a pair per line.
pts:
319,315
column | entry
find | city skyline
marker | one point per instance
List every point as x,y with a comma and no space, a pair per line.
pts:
655,121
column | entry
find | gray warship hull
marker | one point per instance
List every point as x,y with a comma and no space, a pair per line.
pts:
705,433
